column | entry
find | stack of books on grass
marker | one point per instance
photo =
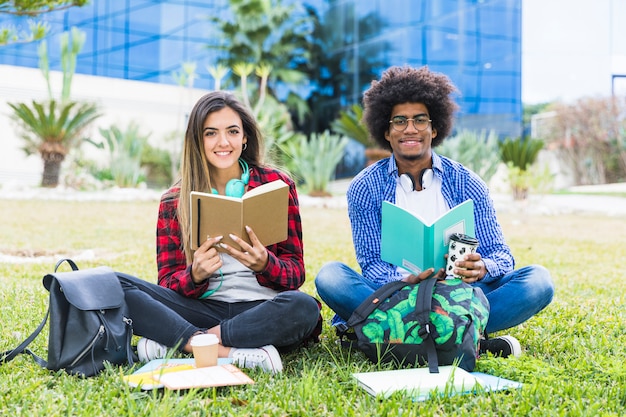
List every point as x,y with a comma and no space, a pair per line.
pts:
180,374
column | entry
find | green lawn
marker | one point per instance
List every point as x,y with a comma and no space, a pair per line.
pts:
574,351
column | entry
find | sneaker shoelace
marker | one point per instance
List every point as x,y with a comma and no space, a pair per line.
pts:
252,359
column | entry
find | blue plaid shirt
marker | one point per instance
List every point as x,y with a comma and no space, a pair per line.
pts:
377,183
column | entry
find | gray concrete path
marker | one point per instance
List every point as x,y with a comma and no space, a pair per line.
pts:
549,204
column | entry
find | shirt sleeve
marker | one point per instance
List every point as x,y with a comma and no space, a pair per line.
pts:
492,247
173,271
463,184
365,196
285,265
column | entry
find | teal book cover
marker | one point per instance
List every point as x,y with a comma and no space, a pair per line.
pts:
415,245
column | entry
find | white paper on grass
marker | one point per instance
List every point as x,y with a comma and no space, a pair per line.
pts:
420,383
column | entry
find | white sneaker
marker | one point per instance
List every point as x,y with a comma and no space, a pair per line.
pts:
266,358
148,350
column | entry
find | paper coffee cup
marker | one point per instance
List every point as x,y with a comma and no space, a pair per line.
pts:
204,348
459,246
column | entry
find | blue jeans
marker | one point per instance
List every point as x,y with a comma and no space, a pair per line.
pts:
513,298
163,315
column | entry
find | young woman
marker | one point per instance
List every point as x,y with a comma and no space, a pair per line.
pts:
248,298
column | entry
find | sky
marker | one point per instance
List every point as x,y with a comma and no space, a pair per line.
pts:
572,49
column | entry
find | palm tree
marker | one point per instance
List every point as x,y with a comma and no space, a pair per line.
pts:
270,33
350,123
52,129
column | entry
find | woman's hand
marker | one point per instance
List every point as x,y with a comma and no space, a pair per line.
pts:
415,279
254,257
471,268
206,260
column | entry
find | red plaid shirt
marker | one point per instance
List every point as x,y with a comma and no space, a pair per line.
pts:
285,266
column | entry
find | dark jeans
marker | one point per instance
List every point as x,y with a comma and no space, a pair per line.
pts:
513,298
170,318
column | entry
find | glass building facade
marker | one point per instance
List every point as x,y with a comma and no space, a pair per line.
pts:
143,40
477,43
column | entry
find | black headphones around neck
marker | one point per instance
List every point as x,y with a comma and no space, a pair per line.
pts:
237,187
425,179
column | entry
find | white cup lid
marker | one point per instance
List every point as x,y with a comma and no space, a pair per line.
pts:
203,339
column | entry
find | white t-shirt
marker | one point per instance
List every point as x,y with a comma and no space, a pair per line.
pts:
239,283
428,203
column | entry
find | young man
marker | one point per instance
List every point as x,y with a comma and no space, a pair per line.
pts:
410,111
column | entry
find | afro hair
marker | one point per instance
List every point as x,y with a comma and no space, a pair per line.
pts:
405,84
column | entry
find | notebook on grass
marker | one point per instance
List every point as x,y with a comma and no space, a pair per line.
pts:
148,376
420,384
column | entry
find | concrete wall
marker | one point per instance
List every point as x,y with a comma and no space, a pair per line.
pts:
158,109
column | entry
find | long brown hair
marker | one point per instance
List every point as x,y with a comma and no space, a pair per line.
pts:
194,166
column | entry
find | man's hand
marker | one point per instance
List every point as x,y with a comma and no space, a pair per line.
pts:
415,279
471,268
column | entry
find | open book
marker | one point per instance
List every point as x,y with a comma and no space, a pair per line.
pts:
415,245
263,208
420,384
182,374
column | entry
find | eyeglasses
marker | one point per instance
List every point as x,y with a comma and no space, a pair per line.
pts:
399,123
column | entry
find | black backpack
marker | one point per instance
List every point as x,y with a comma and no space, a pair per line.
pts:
89,322
433,322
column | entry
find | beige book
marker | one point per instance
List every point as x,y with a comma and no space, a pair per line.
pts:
212,376
263,208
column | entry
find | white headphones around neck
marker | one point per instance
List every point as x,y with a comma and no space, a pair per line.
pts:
425,178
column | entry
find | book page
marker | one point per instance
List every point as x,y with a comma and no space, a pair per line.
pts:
403,239
417,382
264,209
145,377
459,219
215,215
265,188
384,383
212,376
267,212
495,383
409,243
149,380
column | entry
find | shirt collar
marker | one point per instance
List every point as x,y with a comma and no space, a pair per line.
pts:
436,159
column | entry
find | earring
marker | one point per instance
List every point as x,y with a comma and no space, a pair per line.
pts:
245,146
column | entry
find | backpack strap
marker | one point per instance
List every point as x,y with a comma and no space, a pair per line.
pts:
71,263
423,305
9,355
371,302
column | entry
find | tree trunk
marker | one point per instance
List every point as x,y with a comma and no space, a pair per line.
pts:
520,193
51,169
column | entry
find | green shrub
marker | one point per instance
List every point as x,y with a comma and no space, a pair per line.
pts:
521,153
349,123
157,164
314,160
125,151
476,150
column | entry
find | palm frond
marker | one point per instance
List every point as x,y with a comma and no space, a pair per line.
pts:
54,122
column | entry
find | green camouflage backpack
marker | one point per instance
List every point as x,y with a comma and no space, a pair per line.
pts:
433,322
